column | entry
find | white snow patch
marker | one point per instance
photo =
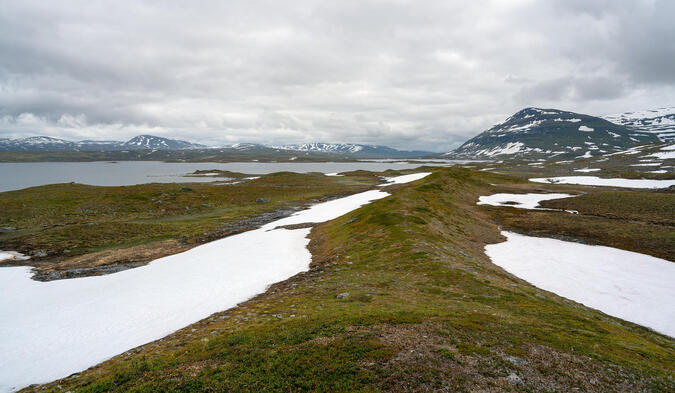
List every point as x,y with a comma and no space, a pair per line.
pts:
647,164
333,174
12,255
52,329
585,129
509,148
404,178
670,147
666,155
628,285
632,150
587,170
597,181
520,201
658,171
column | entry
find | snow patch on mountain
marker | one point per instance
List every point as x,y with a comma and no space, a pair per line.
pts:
659,121
323,147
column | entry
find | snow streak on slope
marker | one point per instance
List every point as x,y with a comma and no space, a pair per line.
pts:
598,181
49,330
631,286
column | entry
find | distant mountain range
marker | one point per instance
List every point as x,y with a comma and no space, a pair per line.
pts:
141,142
660,121
546,133
150,142
529,133
356,150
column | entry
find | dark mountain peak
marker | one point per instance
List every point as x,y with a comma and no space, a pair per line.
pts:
551,132
532,111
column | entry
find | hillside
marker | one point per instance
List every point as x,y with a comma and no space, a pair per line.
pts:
660,122
547,133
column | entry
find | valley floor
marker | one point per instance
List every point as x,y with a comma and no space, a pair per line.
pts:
400,296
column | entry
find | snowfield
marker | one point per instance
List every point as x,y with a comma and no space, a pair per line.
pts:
52,329
666,155
520,201
587,170
627,285
597,181
404,178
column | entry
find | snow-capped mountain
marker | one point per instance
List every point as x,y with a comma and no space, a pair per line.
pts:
245,146
323,147
37,143
141,142
357,150
551,133
151,142
660,121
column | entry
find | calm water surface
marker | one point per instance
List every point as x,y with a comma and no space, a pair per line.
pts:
18,175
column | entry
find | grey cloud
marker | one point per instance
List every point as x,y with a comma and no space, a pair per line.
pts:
403,73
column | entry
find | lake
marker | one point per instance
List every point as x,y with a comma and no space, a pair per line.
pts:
18,175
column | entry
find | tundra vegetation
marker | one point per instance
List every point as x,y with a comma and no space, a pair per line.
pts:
401,297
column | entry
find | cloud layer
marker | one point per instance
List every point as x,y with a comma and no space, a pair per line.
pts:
408,74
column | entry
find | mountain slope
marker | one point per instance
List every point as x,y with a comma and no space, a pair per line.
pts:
545,133
37,143
151,142
660,122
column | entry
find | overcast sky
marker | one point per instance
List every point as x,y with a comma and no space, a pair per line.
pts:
409,74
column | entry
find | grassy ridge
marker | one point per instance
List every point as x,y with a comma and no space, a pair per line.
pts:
426,311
